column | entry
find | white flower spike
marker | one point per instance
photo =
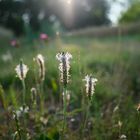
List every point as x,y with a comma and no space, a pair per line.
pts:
90,85
41,64
21,70
64,66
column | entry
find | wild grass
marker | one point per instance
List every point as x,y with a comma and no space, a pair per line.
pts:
112,114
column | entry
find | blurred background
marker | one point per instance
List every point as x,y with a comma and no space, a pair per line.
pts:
104,38
28,17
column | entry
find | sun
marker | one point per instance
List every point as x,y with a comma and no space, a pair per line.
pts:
68,1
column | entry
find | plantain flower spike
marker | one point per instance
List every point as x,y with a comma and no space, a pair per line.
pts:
21,70
41,64
34,95
64,66
90,85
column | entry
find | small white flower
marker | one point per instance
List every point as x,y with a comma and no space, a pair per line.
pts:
116,108
21,70
90,85
72,119
22,110
7,57
41,64
17,114
123,137
61,56
120,123
44,120
64,66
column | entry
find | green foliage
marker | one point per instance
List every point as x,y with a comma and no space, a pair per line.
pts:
93,13
113,109
132,14
11,15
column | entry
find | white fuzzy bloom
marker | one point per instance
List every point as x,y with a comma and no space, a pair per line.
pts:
7,57
17,114
90,85
44,120
64,66
41,64
21,70
123,137
116,108
22,110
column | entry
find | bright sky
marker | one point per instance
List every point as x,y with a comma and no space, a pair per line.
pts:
117,7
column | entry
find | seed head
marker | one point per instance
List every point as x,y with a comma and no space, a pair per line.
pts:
21,70
120,123
64,66
41,64
90,85
116,108
34,95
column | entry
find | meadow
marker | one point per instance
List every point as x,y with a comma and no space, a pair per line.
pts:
113,113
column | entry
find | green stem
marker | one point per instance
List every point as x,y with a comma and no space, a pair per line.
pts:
138,125
64,108
24,105
18,128
41,97
24,91
87,114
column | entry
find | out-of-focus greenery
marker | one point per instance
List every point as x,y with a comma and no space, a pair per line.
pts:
113,61
132,14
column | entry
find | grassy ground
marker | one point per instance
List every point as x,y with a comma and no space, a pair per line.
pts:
113,61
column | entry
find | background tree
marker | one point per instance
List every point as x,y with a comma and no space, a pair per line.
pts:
91,13
79,14
132,14
11,15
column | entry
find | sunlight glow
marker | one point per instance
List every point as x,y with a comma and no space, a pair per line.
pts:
68,1
68,7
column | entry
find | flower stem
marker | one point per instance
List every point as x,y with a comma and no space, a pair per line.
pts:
87,114
64,108
41,98
24,91
24,105
18,127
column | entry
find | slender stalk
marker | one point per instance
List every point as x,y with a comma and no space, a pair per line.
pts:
17,127
64,112
15,135
33,98
41,97
87,114
64,108
138,119
24,105
24,91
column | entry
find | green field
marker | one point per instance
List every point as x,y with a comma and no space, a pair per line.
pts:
113,113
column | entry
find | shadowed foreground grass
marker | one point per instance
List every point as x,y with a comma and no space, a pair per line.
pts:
112,115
